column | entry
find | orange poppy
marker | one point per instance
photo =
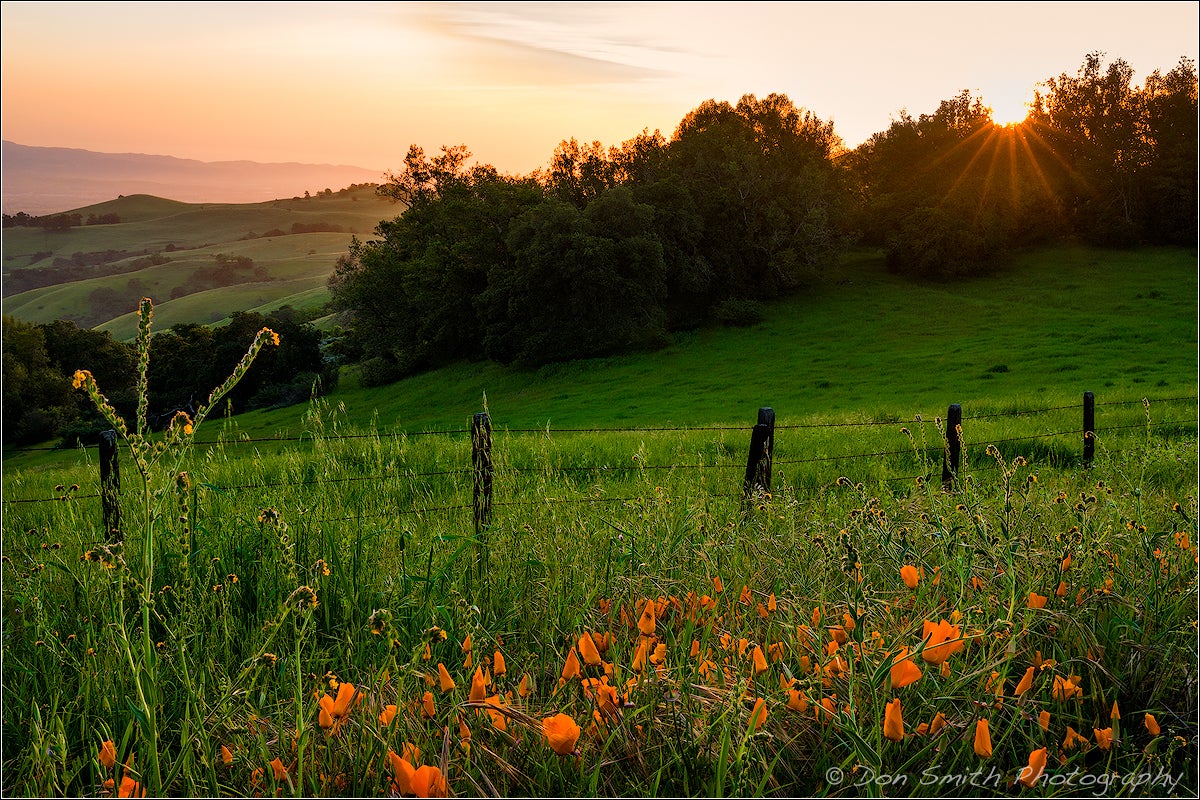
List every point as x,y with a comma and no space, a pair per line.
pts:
758,717
1104,737
1037,765
523,689
561,733
1072,738
128,788
428,711
444,680
571,669
1025,684
1037,601
893,722
427,781
335,711
107,754
718,587
478,686
760,661
983,739
646,621
1152,725
387,715
226,756
941,641
1064,689
1061,591
1116,712
498,666
904,671
587,649
772,605
797,701
1044,720
910,576
939,722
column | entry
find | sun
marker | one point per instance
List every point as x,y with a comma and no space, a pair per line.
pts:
1009,109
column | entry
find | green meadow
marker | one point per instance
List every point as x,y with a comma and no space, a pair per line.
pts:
300,601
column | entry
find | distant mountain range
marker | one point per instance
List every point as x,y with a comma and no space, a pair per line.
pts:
47,180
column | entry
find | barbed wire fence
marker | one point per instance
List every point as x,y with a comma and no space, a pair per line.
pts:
759,466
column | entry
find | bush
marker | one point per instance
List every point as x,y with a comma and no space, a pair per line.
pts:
738,313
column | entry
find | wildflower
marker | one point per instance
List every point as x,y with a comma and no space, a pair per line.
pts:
639,658
378,621
758,717
1073,737
940,641
128,788
910,576
428,710
561,733
587,648
1152,725
760,661
524,689
304,598
1065,688
1044,720
478,686
1036,600
1037,765
1104,737
797,701
1025,683
904,671
272,336
428,781
226,756
107,754
335,711
445,682
893,722
772,604
571,668
646,622
983,739
402,772
826,710
1116,712
939,722
387,715
1061,591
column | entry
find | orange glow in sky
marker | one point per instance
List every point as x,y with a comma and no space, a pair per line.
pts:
357,82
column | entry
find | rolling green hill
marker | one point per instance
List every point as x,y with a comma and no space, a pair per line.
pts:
187,237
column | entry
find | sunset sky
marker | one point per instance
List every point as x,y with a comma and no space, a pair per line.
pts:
357,82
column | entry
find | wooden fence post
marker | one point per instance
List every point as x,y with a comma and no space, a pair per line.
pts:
481,461
110,486
762,445
1089,428
953,446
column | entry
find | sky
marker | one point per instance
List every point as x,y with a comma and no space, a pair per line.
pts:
356,83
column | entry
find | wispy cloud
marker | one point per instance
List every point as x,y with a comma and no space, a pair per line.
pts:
549,44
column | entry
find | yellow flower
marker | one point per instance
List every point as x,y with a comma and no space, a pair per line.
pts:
81,377
983,739
1073,737
478,686
561,733
387,715
893,722
571,669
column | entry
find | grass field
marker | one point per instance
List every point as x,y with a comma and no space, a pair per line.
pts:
318,614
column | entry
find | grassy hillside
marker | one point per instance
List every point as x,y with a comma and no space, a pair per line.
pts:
190,235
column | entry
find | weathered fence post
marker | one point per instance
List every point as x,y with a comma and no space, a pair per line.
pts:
481,461
762,445
1089,427
110,486
953,446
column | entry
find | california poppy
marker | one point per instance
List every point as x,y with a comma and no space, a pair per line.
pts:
772,605
1044,720
797,701
478,687
718,587
939,722
561,733
1152,725
335,711
941,641
1025,683
893,722
587,649
427,708
498,666
1104,737
427,781
1116,712
910,576
571,668
226,756
1064,689
646,621
1036,600
904,671
758,717
1072,738
983,739
108,754
445,681
1037,765
760,661
523,689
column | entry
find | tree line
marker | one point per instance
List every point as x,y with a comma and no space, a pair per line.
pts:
186,362
612,249
57,222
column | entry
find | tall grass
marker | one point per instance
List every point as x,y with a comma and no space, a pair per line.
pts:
257,582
